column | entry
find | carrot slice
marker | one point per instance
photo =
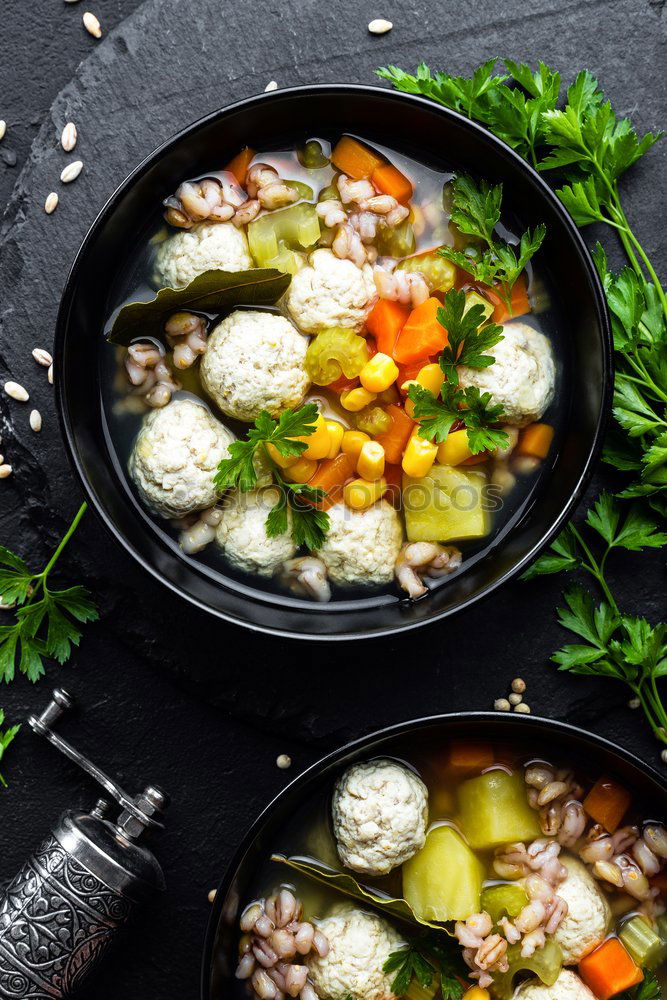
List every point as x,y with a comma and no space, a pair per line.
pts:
355,159
393,475
422,335
536,440
607,803
518,298
390,180
609,970
469,758
385,321
408,373
343,384
331,476
395,439
240,163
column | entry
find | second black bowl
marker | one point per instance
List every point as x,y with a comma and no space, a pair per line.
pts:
266,122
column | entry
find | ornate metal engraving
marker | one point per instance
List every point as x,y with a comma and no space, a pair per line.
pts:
56,920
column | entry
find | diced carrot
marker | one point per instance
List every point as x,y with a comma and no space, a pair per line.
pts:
422,335
354,158
395,439
469,758
390,180
393,475
239,165
332,476
518,298
483,456
385,321
535,440
343,384
609,970
408,373
607,803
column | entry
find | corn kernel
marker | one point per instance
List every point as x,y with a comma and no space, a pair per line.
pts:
302,470
360,494
353,442
378,373
431,377
282,461
355,399
418,457
454,449
370,464
336,432
476,993
317,443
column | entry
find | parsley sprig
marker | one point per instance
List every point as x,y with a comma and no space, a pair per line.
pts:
468,344
476,213
46,619
422,959
648,989
309,525
6,738
616,645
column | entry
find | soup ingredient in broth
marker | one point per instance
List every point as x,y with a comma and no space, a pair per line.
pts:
568,986
175,455
360,942
181,257
522,379
255,361
243,536
331,292
494,810
444,880
361,546
588,914
380,811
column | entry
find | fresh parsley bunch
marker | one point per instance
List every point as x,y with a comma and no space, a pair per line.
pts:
422,959
46,619
468,344
616,645
309,525
6,738
476,213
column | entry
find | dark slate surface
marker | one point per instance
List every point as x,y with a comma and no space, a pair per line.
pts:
169,695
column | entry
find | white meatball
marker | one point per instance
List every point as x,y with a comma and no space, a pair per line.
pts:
242,533
331,292
568,986
204,247
361,546
588,914
380,812
360,942
175,456
255,361
522,377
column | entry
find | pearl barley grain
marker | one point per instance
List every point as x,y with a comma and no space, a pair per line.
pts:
5,471
71,171
49,374
3,128
380,26
35,421
17,392
51,203
212,894
501,705
283,761
68,137
92,25
42,357
271,85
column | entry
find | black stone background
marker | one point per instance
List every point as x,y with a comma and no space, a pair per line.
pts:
169,695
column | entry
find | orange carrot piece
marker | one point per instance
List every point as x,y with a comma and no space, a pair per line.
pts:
396,438
343,384
385,321
536,440
393,475
609,970
389,180
607,803
518,298
408,373
355,159
240,163
483,456
469,758
422,335
332,475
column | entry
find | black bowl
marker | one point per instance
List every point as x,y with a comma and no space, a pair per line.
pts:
549,739
265,121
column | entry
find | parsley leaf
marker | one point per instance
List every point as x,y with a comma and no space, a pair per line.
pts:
6,738
470,97
476,212
408,963
309,524
468,340
648,989
46,620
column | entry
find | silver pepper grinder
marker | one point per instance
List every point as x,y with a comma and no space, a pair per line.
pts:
63,910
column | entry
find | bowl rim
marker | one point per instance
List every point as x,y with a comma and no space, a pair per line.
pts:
533,723
483,135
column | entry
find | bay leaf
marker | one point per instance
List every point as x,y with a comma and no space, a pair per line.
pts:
348,886
213,291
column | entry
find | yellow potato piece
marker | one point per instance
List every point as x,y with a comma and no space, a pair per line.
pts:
446,505
444,880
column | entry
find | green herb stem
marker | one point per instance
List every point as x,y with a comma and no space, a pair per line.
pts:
63,542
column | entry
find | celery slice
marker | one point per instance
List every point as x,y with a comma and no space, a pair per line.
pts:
545,963
641,942
296,228
504,901
440,274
